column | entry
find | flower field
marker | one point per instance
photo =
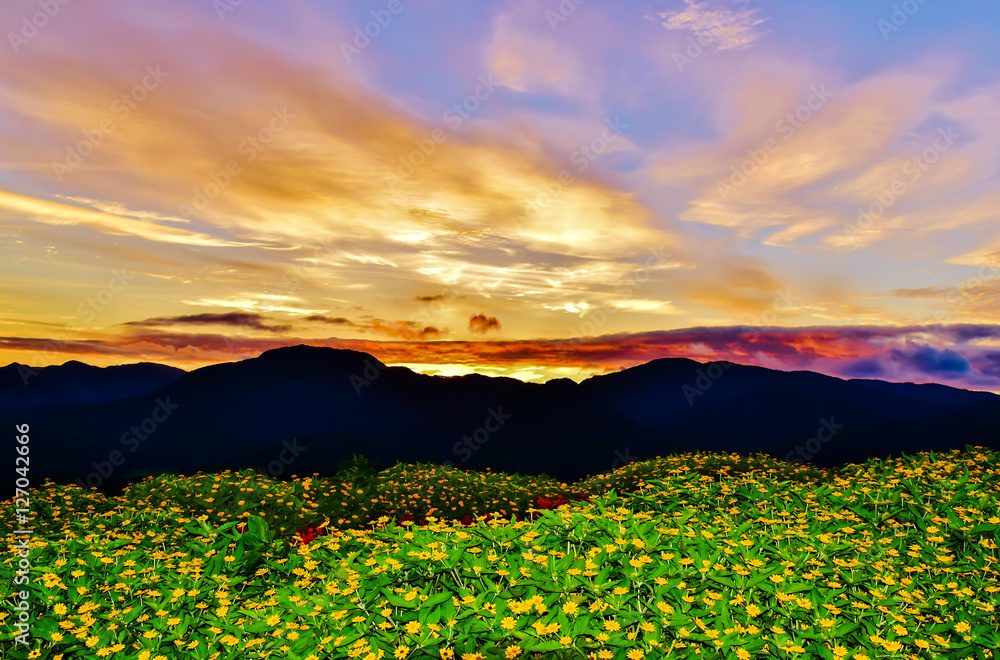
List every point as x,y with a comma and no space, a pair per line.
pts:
690,556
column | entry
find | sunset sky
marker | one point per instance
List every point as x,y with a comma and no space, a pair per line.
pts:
527,188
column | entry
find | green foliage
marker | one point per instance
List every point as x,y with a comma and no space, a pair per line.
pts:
357,471
693,556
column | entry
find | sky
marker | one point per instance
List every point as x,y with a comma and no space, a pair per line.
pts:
527,188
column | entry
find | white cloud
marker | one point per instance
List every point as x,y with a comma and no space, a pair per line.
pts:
722,28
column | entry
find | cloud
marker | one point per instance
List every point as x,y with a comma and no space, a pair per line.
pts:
793,168
338,320
239,319
942,363
721,28
113,220
480,323
404,329
864,368
953,355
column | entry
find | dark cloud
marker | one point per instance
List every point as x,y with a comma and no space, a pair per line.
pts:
332,320
969,332
940,362
888,353
865,368
482,324
249,320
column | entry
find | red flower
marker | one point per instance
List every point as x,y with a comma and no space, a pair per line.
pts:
308,534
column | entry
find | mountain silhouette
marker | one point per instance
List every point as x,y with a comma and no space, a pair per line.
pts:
302,410
23,387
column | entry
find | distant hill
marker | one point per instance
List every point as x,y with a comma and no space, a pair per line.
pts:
304,409
22,386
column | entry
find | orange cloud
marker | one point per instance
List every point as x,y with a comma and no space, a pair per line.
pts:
481,324
961,355
404,329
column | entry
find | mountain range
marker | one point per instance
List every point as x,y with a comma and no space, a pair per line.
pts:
302,410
